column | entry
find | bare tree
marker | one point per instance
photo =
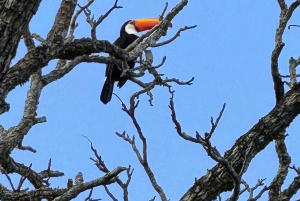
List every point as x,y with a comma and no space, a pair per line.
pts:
62,45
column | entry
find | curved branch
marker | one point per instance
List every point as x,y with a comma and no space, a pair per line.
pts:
174,37
250,144
285,16
284,162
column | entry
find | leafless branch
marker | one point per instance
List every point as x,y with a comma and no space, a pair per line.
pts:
151,69
153,198
88,198
285,15
297,169
161,16
215,155
291,190
136,95
215,124
174,37
102,167
292,67
64,68
288,76
185,136
177,81
284,162
139,82
27,36
23,178
3,171
293,25
28,39
147,87
80,187
161,64
41,55
110,194
73,24
211,151
265,188
29,148
37,37
251,190
142,68
143,159
177,124
150,85
46,174
246,187
45,53
145,65
46,181
95,23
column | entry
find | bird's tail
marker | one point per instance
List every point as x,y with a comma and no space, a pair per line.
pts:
107,91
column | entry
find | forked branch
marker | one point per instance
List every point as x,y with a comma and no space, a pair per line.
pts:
143,158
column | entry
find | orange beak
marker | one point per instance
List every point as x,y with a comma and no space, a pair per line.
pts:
145,24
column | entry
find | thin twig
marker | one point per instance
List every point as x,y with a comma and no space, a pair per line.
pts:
251,190
89,197
110,194
293,25
174,37
48,172
3,171
95,23
143,159
215,124
288,76
28,148
297,169
23,178
103,168
292,67
161,16
28,39
73,24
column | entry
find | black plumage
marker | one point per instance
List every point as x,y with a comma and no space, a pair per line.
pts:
113,71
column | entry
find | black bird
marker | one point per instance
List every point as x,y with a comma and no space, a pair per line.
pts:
128,34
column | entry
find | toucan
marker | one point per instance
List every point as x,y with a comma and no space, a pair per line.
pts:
128,34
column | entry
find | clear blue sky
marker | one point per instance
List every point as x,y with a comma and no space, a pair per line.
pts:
229,56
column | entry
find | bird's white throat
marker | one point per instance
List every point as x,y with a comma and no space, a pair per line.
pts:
130,29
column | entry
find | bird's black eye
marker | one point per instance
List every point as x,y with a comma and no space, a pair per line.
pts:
131,22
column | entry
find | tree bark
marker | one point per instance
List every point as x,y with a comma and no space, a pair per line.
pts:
268,128
15,16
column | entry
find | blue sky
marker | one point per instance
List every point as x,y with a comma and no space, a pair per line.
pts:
229,56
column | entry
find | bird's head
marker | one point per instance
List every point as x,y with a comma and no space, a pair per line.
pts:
135,26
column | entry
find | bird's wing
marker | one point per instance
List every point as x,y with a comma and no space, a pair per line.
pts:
120,42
